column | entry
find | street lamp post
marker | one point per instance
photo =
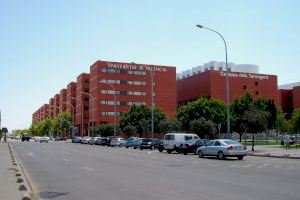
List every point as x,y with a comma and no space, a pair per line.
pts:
227,78
115,107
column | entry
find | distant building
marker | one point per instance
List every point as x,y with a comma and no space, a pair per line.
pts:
289,97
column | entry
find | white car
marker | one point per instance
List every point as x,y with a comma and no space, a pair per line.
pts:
44,139
37,138
172,141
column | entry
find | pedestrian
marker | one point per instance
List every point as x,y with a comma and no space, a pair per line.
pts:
287,141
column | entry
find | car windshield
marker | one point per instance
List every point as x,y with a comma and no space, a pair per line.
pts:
147,140
230,142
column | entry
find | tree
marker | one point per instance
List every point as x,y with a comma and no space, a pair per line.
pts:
44,127
169,125
255,121
295,120
238,109
105,130
210,109
203,127
129,130
137,117
64,121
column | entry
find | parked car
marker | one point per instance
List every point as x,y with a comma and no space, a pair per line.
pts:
103,141
37,138
222,149
172,141
93,140
160,146
118,142
192,145
76,139
149,143
44,139
133,142
85,140
25,138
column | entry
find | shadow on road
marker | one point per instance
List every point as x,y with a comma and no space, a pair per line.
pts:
50,195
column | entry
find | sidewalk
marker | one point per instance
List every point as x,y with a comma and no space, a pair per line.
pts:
274,151
11,177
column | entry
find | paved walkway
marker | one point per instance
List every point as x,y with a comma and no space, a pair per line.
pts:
274,151
13,184
9,188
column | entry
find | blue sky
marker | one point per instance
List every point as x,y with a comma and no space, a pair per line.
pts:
47,44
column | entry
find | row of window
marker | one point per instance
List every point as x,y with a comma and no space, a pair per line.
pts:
123,92
123,103
123,82
123,71
109,113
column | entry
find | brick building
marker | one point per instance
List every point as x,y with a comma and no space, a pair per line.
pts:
71,99
130,83
82,103
212,83
62,100
289,98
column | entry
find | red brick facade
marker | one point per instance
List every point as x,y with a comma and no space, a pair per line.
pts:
82,103
296,97
213,84
132,85
62,100
71,99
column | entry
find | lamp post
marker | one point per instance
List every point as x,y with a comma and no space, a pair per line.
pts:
227,78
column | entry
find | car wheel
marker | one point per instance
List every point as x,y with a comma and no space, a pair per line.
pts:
200,154
160,150
141,148
169,151
178,150
221,155
240,157
134,147
185,153
126,147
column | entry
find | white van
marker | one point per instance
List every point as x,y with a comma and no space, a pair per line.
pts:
172,141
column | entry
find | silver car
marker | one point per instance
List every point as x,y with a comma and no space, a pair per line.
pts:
118,142
85,140
222,149
93,140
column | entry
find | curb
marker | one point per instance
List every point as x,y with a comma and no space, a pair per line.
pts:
23,183
269,155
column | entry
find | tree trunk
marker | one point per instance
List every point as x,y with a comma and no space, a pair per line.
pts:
252,141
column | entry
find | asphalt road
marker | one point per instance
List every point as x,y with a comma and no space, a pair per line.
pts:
60,170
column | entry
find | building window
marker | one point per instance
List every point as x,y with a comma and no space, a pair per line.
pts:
103,122
85,108
220,68
109,113
86,99
245,87
256,83
212,67
256,93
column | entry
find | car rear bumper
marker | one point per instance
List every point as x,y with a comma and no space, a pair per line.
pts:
235,153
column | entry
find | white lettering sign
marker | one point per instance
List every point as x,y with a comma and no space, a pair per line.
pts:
245,75
136,67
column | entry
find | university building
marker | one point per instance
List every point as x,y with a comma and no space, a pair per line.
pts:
210,81
289,98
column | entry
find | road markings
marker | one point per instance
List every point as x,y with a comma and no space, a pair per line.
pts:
262,166
277,166
66,160
87,168
249,165
234,165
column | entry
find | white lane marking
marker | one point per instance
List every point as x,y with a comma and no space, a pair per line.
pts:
66,160
291,167
262,166
249,165
87,168
30,154
234,165
277,166
65,152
